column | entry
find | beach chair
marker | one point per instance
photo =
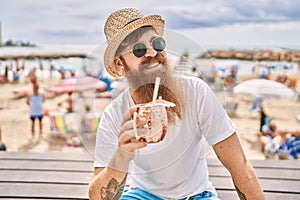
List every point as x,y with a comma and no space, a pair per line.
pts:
90,123
230,108
58,123
89,130
256,106
60,132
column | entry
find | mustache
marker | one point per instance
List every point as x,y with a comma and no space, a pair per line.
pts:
158,58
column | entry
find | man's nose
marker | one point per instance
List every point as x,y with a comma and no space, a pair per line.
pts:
150,52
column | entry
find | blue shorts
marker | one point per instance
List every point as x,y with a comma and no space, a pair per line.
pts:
138,194
32,117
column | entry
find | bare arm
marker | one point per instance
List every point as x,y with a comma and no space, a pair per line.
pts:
108,182
231,154
27,99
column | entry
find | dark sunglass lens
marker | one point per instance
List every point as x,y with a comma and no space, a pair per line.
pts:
139,50
159,44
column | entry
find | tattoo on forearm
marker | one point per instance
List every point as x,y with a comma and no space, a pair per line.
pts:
113,190
240,194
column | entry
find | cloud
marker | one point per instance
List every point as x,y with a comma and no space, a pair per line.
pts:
81,21
222,13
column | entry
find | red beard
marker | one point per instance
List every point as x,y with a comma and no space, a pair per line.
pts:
141,83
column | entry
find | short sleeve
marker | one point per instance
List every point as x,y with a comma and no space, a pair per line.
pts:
107,138
214,123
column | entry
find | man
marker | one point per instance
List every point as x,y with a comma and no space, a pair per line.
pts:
32,76
35,102
174,168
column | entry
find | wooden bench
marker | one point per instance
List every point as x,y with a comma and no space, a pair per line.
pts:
66,176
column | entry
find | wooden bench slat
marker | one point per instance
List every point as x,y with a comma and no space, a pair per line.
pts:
292,186
260,172
232,195
281,196
81,157
87,167
280,185
272,164
46,165
53,191
45,177
85,157
226,194
84,178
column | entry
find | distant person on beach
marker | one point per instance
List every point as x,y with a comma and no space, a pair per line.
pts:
264,118
212,75
62,73
35,102
174,166
41,66
267,133
32,76
72,74
281,143
51,69
2,145
292,82
263,75
67,103
6,73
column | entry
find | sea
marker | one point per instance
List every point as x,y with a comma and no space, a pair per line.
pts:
94,62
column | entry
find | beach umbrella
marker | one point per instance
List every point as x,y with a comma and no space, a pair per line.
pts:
79,84
264,88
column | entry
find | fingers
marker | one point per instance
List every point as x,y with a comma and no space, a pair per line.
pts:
130,147
127,137
129,114
127,134
129,124
128,142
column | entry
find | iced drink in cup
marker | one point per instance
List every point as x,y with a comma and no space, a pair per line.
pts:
155,127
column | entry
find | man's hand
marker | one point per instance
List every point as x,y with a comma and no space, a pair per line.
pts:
108,182
127,140
127,143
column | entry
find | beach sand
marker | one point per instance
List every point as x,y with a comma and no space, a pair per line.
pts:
16,125
15,122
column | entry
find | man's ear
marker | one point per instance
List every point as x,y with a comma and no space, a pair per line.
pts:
119,64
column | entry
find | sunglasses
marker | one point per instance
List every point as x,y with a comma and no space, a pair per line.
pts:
140,49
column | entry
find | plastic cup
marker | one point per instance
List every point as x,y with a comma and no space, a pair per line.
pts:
155,127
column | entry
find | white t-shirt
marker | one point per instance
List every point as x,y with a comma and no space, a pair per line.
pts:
175,167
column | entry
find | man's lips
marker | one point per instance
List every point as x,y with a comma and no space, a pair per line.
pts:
152,66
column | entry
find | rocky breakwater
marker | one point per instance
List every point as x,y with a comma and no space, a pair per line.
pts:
257,55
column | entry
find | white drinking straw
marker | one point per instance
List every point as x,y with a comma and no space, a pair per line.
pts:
156,86
134,125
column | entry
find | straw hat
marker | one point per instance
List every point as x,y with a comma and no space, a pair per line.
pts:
121,23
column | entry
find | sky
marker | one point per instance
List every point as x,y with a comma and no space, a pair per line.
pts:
231,23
